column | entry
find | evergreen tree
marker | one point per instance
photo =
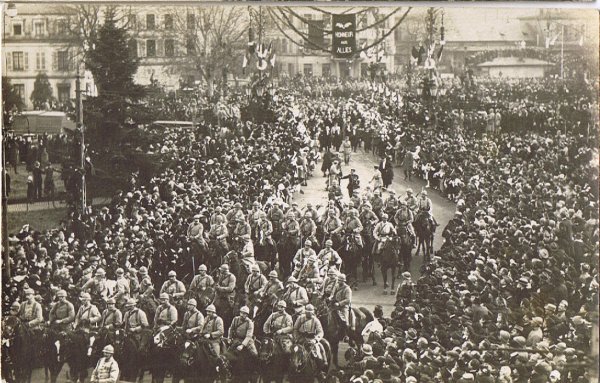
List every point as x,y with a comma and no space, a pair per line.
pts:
42,92
11,101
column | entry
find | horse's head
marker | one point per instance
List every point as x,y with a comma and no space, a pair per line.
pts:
117,339
189,353
266,350
223,367
206,297
166,337
350,355
11,327
299,357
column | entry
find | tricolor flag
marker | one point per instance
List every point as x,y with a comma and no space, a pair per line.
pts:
272,60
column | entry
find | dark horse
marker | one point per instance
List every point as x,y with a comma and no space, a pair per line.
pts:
351,255
196,356
164,352
17,351
332,327
132,353
287,247
303,365
241,366
406,244
388,257
425,230
272,361
72,347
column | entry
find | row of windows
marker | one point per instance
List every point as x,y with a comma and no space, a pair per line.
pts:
19,61
168,21
39,28
150,48
63,92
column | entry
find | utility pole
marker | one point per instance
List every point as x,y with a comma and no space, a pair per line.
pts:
562,52
81,130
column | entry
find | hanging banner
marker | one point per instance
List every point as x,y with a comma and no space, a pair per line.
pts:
344,36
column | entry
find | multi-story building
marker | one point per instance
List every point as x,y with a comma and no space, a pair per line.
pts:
38,40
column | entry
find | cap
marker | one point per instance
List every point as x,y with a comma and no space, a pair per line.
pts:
172,273
143,270
367,349
245,310
192,301
273,274
108,349
164,296
255,267
307,243
281,304
409,190
424,192
331,271
100,272
309,308
202,268
329,242
120,271
211,309
15,306
406,274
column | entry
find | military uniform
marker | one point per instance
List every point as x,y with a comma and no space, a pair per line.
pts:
284,323
332,227
343,297
106,371
377,203
217,218
242,332
219,233
328,258
329,286
166,314
411,202
32,314
353,225
122,290
276,217
264,232
96,287
296,297
272,289
253,286
308,328
242,230
404,217
111,318
213,327
62,311
89,313
135,320
226,287
382,232
193,320
291,228
300,259
172,288
201,282
308,229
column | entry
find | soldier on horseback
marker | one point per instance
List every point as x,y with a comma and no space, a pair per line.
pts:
329,283
225,286
308,331
217,217
271,290
277,217
195,232
404,218
111,317
202,280
218,233
253,286
87,314
280,325
353,226
241,332
308,228
301,256
383,232
193,319
166,313
30,311
424,206
97,285
122,288
291,228
173,287
254,217
134,321
62,314
332,227
377,203
295,295
213,330
340,300
329,259
411,201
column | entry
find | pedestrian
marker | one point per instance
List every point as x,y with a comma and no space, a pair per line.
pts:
387,170
408,164
347,149
37,180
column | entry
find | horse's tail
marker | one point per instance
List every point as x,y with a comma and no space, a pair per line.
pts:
327,348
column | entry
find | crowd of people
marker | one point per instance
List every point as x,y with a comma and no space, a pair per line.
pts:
511,296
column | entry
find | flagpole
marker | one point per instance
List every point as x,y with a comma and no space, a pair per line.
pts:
562,52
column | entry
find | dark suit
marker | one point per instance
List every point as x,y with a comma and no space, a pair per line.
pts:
387,171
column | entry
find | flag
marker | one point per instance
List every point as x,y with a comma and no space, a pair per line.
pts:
272,60
439,53
421,55
244,64
363,54
380,55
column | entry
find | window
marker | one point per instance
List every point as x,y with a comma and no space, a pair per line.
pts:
190,46
169,48
169,22
326,70
150,48
40,61
61,27
191,21
132,21
308,69
18,61
38,28
133,48
20,90
64,92
17,29
63,60
290,69
284,48
150,21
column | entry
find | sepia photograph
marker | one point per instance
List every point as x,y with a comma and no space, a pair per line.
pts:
310,193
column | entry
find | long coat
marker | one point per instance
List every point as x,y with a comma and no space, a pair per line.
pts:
387,171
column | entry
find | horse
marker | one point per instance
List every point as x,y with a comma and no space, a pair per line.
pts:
332,327
195,356
350,252
72,347
132,354
406,244
389,260
304,367
286,248
425,230
216,252
241,366
368,262
265,251
272,361
164,352
17,351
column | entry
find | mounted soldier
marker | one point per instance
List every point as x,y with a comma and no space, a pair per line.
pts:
383,232
411,201
280,325
202,280
308,228
122,288
301,256
30,311
332,227
62,314
173,287
353,226
225,285
341,300
330,283
87,314
329,258
166,313
253,286
241,332
308,331
271,291
193,320
97,285
424,207
404,218
254,217
213,330
134,319
111,317
295,295
195,232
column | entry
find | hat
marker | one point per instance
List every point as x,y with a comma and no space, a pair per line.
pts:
108,349
85,296
384,215
307,243
120,271
406,274
202,268
143,270
29,291
111,301
16,306
224,267
273,274
309,308
255,267
367,349
329,242
341,277
331,271
100,272
164,296
245,310
292,279
281,304
211,308
409,190
237,205
172,274
424,192
192,301
130,302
